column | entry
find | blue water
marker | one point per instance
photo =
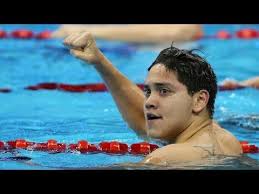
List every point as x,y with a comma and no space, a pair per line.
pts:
68,117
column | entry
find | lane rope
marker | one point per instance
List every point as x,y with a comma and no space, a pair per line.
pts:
83,146
99,87
244,34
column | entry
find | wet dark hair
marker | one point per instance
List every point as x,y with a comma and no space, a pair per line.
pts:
192,70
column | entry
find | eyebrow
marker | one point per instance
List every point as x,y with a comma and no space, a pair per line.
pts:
161,84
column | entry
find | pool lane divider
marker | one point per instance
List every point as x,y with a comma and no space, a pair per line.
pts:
91,87
83,146
95,87
5,90
25,34
249,148
245,34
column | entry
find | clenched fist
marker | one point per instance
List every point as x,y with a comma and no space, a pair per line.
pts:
82,45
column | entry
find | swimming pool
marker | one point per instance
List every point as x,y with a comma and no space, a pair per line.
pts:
69,117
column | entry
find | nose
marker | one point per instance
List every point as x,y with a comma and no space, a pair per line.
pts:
151,102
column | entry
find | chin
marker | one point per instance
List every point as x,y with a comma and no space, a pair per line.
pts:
155,133
160,134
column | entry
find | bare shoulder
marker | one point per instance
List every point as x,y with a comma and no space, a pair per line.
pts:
183,152
228,142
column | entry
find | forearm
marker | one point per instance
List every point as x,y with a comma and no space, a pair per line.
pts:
127,95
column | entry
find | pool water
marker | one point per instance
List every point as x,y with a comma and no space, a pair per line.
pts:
69,117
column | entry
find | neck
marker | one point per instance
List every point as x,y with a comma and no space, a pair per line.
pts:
199,124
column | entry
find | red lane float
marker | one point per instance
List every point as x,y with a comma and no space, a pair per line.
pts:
223,35
83,147
247,33
114,147
141,86
248,148
19,143
143,148
3,34
83,87
43,35
40,147
198,35
50,146
22,34
2,146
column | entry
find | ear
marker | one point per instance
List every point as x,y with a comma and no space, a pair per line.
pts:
200,100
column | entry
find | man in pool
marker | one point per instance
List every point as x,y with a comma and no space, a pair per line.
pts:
176,106
252,82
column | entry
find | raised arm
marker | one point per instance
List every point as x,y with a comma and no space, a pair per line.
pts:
128,97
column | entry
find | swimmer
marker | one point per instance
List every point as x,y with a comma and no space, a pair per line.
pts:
137,33
232,84
176,106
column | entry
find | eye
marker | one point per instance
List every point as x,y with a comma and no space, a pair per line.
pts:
147,92
163,91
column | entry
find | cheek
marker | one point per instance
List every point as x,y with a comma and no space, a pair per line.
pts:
178,109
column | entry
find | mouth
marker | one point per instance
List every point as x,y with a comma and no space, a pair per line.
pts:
151,116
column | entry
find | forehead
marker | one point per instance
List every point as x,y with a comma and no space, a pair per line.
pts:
159,74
